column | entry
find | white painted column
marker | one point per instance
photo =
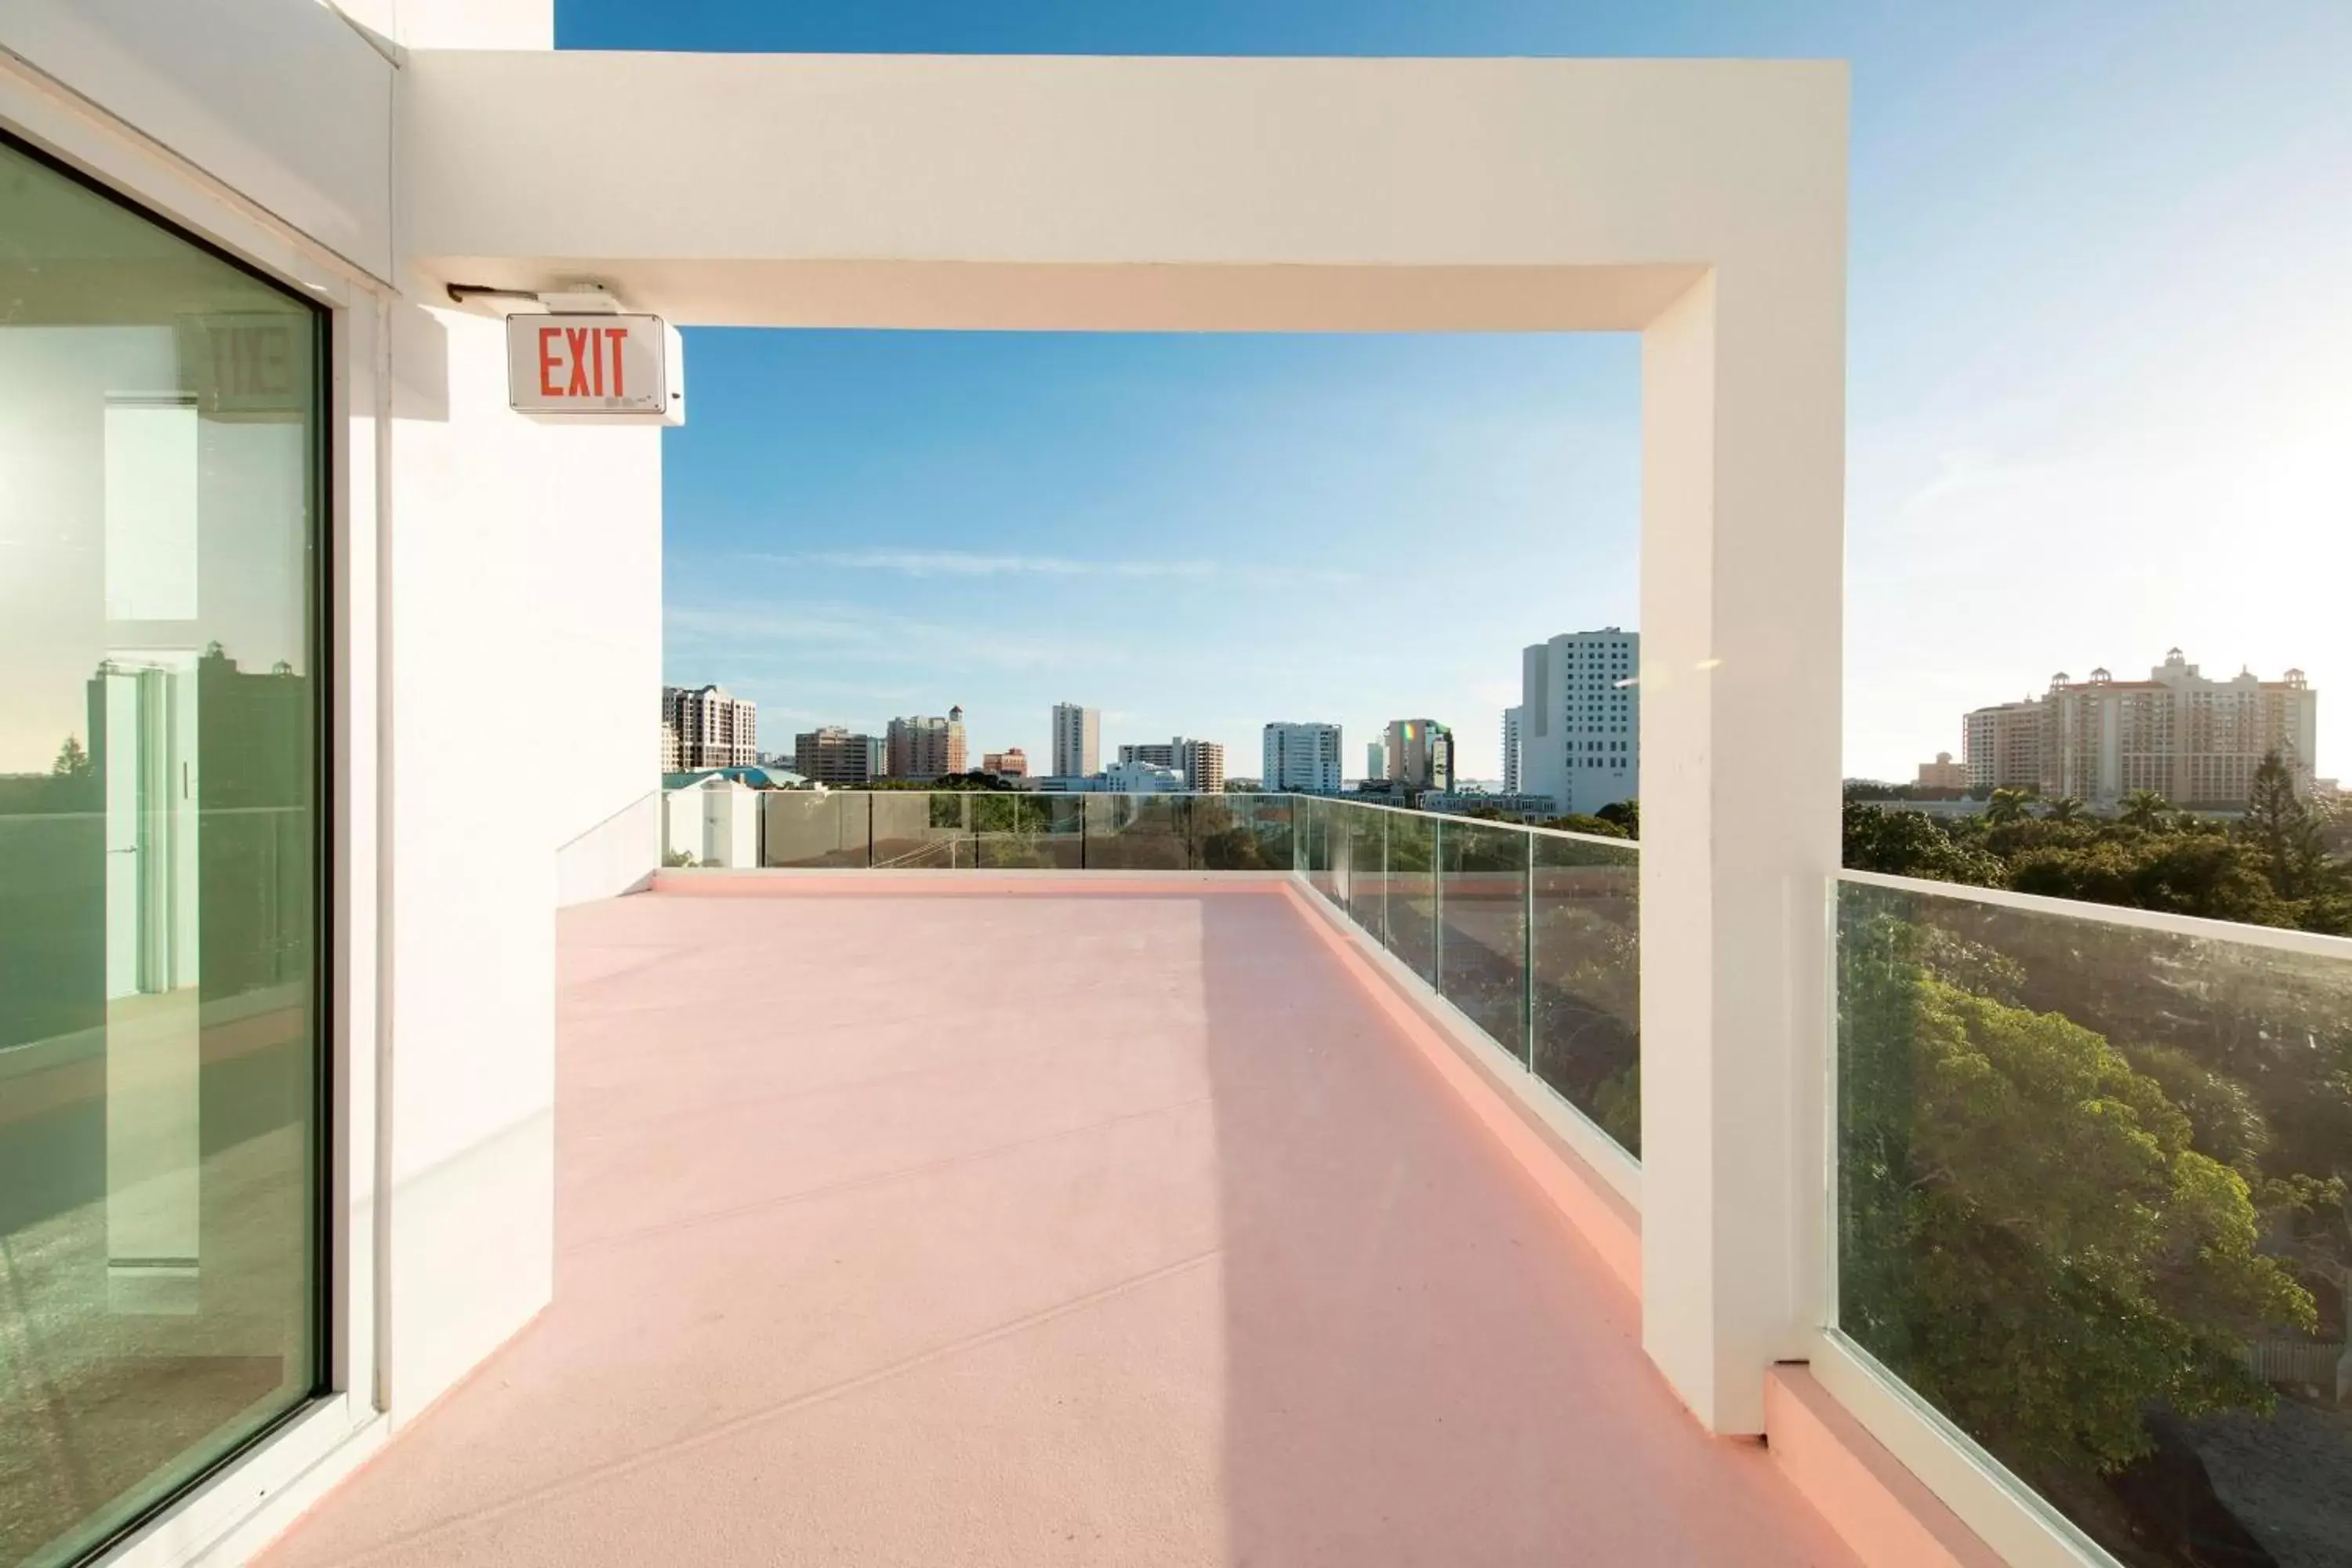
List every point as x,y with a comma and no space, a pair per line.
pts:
1742,539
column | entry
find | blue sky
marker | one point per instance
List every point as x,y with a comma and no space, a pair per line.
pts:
2100,396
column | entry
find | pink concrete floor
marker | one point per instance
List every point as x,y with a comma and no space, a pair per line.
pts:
1026,1230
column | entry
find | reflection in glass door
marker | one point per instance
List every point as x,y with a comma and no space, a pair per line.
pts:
160,630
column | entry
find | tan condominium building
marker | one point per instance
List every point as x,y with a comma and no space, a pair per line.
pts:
2193,740
927,748
832,756
712,729
1943,773
1011,764
2003,746
1202,762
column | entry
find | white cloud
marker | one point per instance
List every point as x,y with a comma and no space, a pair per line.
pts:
966,563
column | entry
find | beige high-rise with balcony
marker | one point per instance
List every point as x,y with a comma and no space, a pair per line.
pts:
2195,741
714,729
927,748
2003,746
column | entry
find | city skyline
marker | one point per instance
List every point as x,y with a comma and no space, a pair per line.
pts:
2068,377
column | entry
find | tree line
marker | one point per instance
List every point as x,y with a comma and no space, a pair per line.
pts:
2283,863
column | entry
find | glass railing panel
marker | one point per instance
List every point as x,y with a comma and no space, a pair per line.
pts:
1411,891
801,828
1269,819
1584,962
1311,821
1238,832
1367,868
915,830
1022,831
1483,955
2091,1206
1136,833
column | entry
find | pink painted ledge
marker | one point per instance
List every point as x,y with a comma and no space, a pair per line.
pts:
1878,1507
1882,1511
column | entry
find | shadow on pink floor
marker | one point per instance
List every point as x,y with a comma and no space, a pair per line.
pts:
1099,1229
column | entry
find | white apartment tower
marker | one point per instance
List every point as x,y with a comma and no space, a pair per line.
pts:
1302,757
1510,750
1077,741
1581,718
713,729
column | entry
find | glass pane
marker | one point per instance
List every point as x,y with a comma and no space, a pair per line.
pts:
801,827
1366,879
1587,980
1412,885
919,828
1313,825
1484,957
1230,834
2092,1206
1135,832
160,450
1039,832
1269,818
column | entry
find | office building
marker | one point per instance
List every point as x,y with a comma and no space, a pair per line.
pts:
1376,760
714,729
1008,764
1510,750
1077,741
1420,753
2193,740
1581,718
1943,773
927,748
834,757
1302,757
1202,762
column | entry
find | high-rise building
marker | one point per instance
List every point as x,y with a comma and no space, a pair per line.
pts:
1581,718
1077,741
1011,764
1202,762
2195,741
1376,759
831,755
1510,750
714,729
927,748
671,754
2003,746
1419,755
1302,757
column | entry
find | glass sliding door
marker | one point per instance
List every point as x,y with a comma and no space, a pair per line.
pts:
160,629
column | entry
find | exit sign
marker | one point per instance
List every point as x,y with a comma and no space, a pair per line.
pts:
598,367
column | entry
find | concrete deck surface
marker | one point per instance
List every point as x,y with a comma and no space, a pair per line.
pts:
903,1229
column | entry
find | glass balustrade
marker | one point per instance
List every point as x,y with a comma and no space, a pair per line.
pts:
2091,1200
1532,934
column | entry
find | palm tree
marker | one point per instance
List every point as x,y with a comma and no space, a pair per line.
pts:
2065,808
2005,806
2144,808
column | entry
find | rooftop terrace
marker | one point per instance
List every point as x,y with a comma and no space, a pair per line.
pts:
1048,1223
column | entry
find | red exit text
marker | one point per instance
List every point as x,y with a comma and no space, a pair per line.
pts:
573,361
